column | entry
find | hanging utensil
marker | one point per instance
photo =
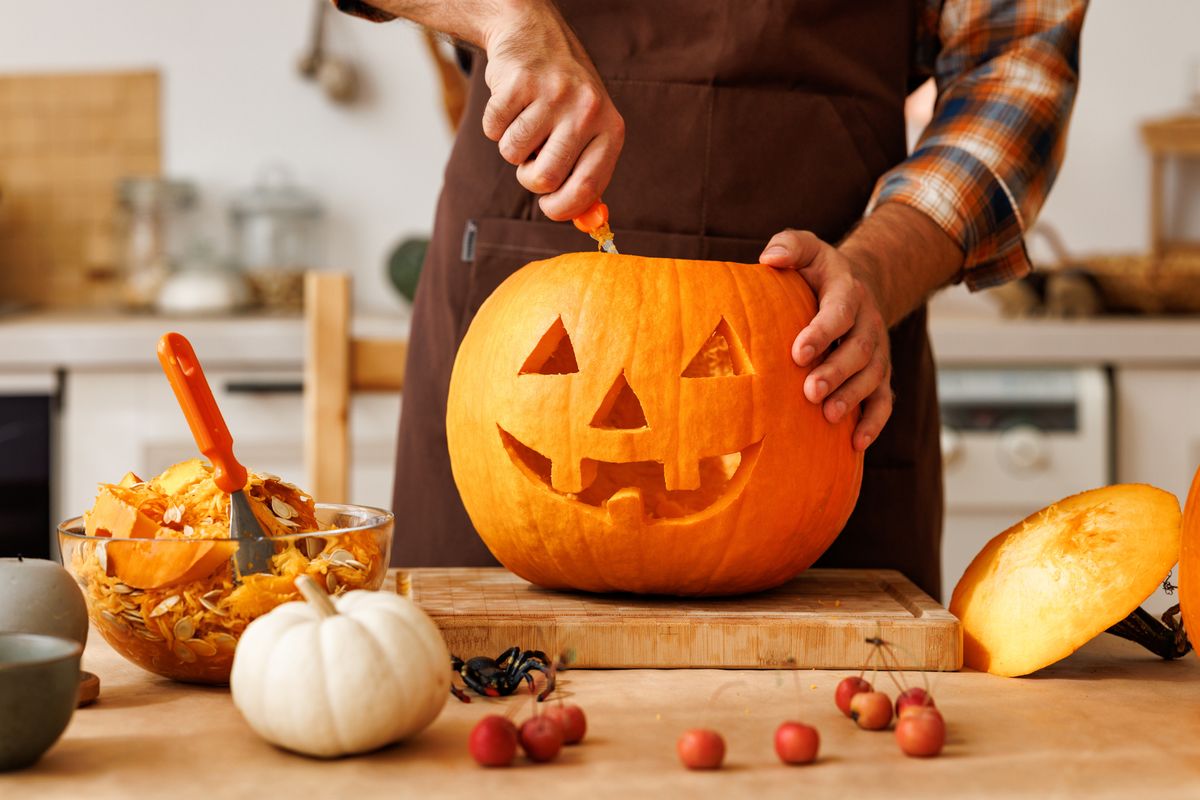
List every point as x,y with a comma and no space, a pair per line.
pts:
212,437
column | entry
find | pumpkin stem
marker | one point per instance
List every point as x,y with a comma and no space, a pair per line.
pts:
315,596
1165,639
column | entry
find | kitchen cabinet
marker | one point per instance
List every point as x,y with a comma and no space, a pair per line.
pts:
1158,434
116,420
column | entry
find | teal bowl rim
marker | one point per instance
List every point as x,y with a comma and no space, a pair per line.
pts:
75,652
379,518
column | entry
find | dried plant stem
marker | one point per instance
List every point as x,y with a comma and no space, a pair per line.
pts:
1166,638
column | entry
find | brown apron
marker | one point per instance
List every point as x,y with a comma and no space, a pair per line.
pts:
743,118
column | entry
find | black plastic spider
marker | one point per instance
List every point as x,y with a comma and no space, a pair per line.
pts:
502,675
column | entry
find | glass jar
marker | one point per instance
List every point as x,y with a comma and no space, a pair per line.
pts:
276,237
155,225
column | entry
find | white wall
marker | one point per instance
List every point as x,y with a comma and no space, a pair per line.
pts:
233,101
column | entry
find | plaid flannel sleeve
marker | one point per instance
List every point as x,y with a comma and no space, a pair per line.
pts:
1006,73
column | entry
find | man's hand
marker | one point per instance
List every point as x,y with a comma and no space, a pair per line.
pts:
549,110
883,271
856,369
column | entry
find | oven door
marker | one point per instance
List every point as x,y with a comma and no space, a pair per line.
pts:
27,405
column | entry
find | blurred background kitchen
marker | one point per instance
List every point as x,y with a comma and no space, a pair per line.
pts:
180,165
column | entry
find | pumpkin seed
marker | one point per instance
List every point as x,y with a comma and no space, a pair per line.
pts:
147,635
129,605
172,514
121,588
188,530
165,606
184,628
340,556
287,523
115,622
331,582
223,641
102,556
201,648
183,653
313,545
282,509
133,616
209,605
355,565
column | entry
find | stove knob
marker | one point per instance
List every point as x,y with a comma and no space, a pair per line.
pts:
1023,449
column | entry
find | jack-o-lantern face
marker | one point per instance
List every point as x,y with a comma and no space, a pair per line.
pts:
633,424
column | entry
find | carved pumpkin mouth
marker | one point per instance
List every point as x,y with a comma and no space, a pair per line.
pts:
636,491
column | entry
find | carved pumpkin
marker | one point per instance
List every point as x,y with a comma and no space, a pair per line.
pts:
1189,563
618,423
1049,584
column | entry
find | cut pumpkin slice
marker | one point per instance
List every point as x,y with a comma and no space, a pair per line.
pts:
113,516
1046,586
178,477
166,562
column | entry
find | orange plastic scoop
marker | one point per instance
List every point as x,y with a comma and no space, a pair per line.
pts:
212,437
594,222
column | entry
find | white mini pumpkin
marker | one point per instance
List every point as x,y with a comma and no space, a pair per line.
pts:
335,676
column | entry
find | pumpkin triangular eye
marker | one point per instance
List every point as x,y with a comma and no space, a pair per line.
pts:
553,354
621,409
721,355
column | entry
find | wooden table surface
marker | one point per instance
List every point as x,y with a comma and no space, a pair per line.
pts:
1111,721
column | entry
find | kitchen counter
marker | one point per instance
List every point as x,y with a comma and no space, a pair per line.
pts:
1113,341
73,340
1110,721
76,340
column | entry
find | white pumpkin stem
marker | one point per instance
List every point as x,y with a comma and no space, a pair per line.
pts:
316,596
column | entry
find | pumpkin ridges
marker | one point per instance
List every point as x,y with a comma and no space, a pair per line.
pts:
702,554
1189,563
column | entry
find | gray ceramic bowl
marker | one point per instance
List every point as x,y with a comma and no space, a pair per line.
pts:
39,682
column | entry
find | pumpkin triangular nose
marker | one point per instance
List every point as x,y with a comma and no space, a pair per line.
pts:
620,408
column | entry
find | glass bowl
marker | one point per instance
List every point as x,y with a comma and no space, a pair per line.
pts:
187,628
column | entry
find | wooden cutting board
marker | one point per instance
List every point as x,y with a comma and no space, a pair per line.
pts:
821,619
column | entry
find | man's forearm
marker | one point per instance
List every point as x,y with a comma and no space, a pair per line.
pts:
904,256
470,21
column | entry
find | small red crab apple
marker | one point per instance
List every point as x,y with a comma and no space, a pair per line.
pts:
913,696
493,741
572,720
921,731
797,743
541,738
846,689
871,710
701,748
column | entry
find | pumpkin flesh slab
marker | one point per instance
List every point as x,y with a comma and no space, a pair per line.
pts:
677,457
1046,586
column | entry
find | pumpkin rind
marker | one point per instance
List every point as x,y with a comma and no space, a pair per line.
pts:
1049,584
742,483
1189,564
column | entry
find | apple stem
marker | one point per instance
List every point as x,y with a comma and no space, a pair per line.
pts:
1166,639
315,596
